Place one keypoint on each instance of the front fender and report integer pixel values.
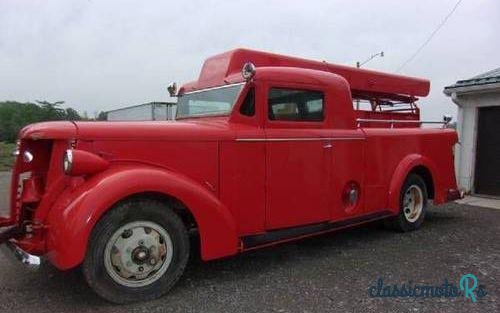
(74, 215)
(402, 170)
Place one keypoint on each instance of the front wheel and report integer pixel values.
(413, 205)
(137, 252)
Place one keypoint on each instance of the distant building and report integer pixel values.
(153, 111)
(477, 158)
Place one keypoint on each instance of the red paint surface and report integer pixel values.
(237, 175)
(227, 67)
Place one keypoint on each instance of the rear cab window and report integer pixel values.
(285, 104)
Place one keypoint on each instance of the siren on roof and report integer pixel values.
(248, 71)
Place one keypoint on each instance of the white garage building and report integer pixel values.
(477, 158)
(152, 111)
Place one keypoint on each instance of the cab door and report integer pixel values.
(298, 156)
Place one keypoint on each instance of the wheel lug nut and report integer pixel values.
(127, 233)
(152, 261)
(141, 268)
(141, 242)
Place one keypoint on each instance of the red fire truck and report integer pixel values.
(265, 149)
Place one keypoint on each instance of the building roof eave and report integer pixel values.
(460, 90)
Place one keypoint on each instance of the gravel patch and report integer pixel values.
(328, 273)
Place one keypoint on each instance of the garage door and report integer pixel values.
(487, 178)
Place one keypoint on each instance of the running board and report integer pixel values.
(288, 234)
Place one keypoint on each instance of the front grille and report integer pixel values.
(26, 173)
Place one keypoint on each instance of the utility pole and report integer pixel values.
(359, 64)
(380, 54)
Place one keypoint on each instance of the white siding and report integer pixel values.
(160, 112)
(136, 113)
(465, 156)
(157, 111)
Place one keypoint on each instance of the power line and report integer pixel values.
(440, 25)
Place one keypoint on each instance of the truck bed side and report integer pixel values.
(387, 148)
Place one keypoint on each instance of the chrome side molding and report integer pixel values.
(301, 139)
(360, 121)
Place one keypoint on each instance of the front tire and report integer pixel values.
(412, 205)
(137, 252)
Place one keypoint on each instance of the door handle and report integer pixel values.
(328, 145)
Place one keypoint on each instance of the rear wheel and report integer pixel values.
(137, 252)
(413, 205)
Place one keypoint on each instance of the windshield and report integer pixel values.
(214, 101)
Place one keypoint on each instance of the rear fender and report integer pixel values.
(76, 212)
(402, 170)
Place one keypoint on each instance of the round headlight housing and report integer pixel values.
(27, 156)
(68, 161)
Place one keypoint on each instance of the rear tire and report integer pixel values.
(412, 205)
(136, 252)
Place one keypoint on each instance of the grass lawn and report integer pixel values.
(6, 159)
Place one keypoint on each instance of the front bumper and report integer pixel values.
(12, 252)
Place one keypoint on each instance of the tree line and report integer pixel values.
(15, 115)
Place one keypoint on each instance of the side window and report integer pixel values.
(248, 106)
(295, 105)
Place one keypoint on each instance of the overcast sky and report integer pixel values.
(102, 55)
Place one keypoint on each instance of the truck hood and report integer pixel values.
(193, 129)
(49, 130)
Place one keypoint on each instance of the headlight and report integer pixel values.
(27, 156)
(68, 161)
(79, 162)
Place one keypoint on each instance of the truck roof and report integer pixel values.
(223, 68)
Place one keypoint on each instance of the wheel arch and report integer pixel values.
(73, 218)
(176, 205)
(417, 164)
(426, 175)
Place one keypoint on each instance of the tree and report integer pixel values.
(51, 110)
(102, 116)
(15, 115)
(72, 115)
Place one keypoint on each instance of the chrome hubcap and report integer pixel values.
(413, 203)
(138, 254)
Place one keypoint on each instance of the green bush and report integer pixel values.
(6, 158)
(15, 115)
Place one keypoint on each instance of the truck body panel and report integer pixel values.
(247, 178)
